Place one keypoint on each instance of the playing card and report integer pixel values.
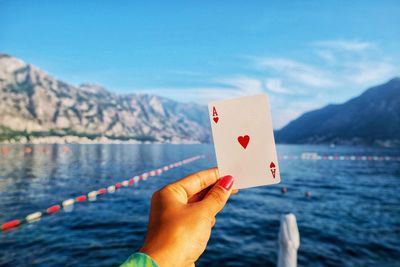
(244, 140)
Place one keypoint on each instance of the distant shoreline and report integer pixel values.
(70, 139)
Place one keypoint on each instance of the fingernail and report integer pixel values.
(226, 182)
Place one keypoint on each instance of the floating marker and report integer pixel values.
(68, 205)
(33, 216)
(53, 209)
(10, 224)
(92, 196)
(111, 189)
(314, 156)
(102, 191)
(81, 198)
(68, 202)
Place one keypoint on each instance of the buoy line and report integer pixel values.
(92, 196)
(316, 156)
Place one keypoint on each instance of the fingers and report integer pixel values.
(217, 197)
(195, 183)
(200, 195)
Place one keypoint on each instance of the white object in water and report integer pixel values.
(92, 195)
(33, 217)
(145, 175)
(68, 205)
(111, 189)
(68, 202)
(309, 156)
(289, 241)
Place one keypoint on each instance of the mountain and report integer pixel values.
(35, 104)
(373, 118)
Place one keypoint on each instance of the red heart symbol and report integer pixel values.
(215, 119)
(244, 140)
(272, 165)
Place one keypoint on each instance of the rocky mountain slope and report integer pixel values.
(373, 118)
(33, 103)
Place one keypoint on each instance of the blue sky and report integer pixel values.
(304, 54)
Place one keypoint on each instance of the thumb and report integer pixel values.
(217, 197)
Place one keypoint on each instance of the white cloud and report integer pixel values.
(355, 63)
(348, 45)
(201, 95)
(331, 72)
(283, 111)
(275, 85)
(244, 85)
(339, 63)
(326, 55)
(297, 71)
(187, 73)
(230, 87)
(369, 72)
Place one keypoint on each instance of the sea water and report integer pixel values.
(351, 219)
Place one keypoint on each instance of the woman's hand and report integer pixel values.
(182, 215)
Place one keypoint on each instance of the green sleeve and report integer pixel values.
(139, 260)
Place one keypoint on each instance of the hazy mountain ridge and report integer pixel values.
(373, 118)
(34, 102)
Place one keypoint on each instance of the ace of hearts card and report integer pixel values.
(244, 140)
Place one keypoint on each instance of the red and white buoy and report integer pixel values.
(68, 204)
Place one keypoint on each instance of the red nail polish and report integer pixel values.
(226, 182)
